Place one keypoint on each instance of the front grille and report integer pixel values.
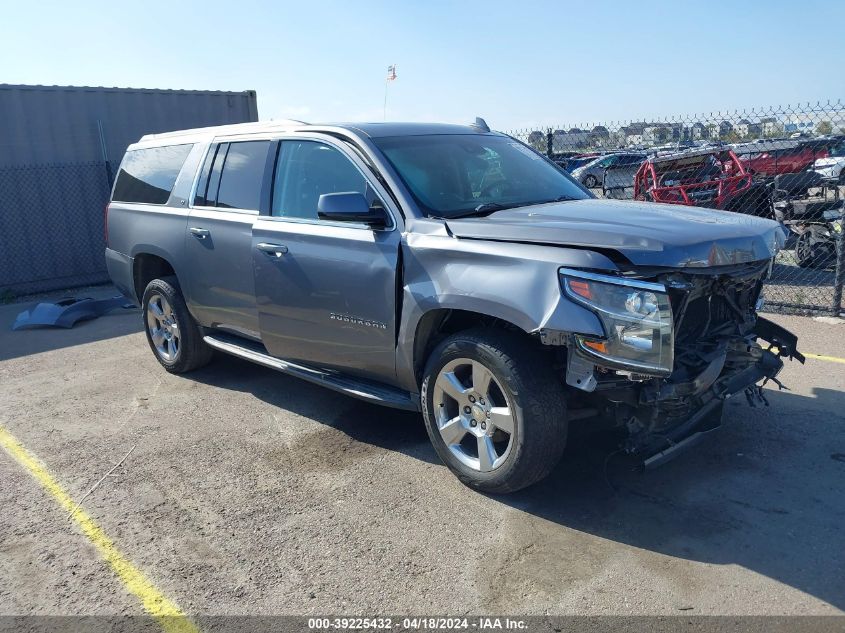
(703, 315)
(709, 309)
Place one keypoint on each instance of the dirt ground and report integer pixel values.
(249, 492)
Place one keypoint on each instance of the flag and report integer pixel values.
(391, 72)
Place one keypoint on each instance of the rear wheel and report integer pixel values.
(493, 410)
(172, 333)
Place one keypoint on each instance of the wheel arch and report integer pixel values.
(437, 323)
(147, 266)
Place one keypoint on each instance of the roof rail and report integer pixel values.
(232, 128)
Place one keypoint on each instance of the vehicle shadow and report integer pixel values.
(764, 493)
(389, 429)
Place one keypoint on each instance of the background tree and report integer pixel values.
(824, 127)
(537, 140)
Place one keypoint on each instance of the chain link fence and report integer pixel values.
(785, 163)
(782, 163)
(51, 226)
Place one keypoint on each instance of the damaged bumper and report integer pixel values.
(665, 416)
(702, 338)
(707, 392)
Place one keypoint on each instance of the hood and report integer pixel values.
(646, 234)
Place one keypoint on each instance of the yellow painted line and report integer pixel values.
(829, 359)
(166, 613)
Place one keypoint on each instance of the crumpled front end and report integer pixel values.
(721, 349)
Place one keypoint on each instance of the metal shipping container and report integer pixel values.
(59, 148)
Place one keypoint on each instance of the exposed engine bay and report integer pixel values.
(721, 348)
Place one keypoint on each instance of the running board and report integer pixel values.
(355, 387)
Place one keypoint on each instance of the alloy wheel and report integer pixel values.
(163, 327)
(474, 415)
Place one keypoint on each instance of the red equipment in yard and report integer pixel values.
(703, 178)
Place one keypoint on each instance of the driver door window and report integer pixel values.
(305, 171)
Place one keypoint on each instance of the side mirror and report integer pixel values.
(350, 207)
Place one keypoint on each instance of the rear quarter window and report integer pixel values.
(148, 175)
(243, 175)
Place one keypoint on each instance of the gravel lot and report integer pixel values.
(250, 492)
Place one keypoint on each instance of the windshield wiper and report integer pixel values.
(558, 199)
(481, 210)
(487, 208)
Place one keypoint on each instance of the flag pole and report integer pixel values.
(391, 75)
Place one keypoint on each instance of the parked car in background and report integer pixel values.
(561, 159)
(450, 270)
(832, 167)
(702, 178)
(591, 175)
(768, 158)
(579, 160)
(618, 181)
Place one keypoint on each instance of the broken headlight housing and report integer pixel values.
(636, 317)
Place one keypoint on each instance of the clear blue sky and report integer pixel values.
(518, 64)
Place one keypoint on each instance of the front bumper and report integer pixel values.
(705, 394)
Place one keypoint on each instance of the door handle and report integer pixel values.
(198, 233)
(276, 250)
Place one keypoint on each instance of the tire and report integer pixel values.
(172, 333)
(812, 253)
(590, 182)
(522, 386)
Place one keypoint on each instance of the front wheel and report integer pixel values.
(493, 410)
(591, 182)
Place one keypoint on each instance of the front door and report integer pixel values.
(325, 291)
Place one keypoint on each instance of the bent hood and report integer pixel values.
(647, 234)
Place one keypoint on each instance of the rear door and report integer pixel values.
(233, 187)
(327, 294)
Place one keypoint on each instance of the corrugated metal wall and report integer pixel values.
(58, 144)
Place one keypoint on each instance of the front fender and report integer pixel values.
(517, 283)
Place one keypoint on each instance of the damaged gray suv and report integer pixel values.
(447, 269)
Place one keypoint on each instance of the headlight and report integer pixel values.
(636, 316)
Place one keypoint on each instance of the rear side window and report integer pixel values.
(243, 175)
(148, 175)
(235, 176)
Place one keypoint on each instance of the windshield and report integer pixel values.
(462, 174)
